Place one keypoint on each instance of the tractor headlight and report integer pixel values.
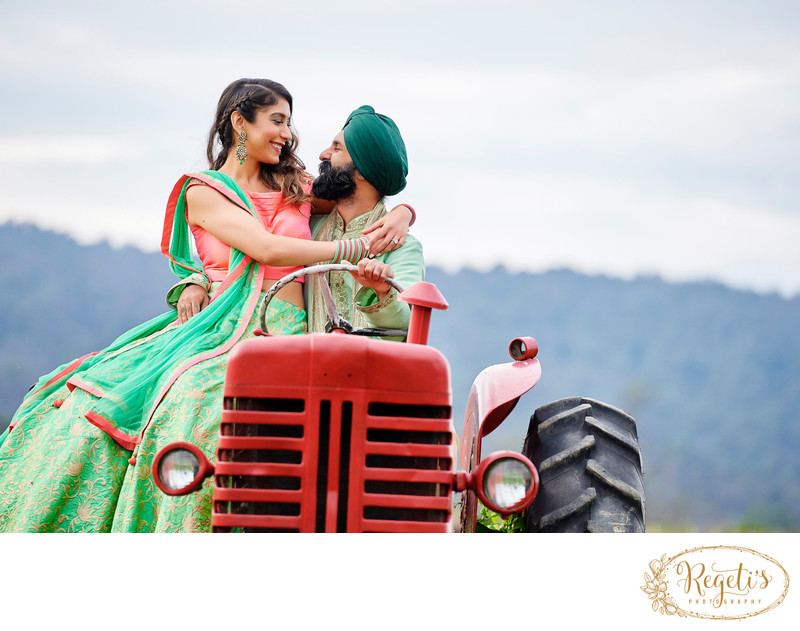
(180, 468)
(506, 482)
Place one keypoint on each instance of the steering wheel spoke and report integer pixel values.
(334, 319)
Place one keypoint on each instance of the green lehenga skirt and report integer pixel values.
(60, 473)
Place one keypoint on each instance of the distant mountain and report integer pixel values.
(711, 374)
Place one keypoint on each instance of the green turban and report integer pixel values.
(377, 149)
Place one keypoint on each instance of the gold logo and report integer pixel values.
(720, 583)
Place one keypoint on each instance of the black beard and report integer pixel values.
(334, 183)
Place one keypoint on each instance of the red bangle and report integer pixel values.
(413, 213)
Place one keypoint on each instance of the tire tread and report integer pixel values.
(588, 457)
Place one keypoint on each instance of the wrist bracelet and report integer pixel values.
(413, 213)
(350, 250)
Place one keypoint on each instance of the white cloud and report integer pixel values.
(556, 133)
(90, 220)
(707, 111)
(33, 150)
(608, 227)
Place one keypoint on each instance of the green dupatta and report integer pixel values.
(130, 377)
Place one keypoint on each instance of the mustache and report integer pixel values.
(327, 169)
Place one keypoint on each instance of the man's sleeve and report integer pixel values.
(408, 268)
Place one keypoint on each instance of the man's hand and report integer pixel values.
(373, 274)
(389, 232)
(193, 299)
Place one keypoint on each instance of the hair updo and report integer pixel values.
(248, 97)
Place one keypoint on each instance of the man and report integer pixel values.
(365, 162)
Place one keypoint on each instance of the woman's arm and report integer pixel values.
(210, 210)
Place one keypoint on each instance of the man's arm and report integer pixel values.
(408, 268)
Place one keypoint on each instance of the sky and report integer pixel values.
(621, 138)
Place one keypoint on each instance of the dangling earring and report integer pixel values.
(241, 151)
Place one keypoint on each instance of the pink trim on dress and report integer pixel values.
(75, 382)
(127, 441)
(66, 370)
(169, 218)
(237, 271)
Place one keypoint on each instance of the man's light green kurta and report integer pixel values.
(408, 268)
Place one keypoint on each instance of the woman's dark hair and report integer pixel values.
(248, 96)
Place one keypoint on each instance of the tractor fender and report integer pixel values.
(494, 394)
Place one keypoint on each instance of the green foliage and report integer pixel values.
(762, 517)
(490, 521)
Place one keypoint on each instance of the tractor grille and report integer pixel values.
(333, 465)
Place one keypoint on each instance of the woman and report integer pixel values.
(91, 426)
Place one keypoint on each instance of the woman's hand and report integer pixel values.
(193, 299)
(389, 232)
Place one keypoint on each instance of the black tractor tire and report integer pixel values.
(590, 469)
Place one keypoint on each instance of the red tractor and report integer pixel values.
(337, 433)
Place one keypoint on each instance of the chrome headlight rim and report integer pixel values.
(495, 459)
(204, 467)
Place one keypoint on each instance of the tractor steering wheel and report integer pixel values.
(335, 321)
